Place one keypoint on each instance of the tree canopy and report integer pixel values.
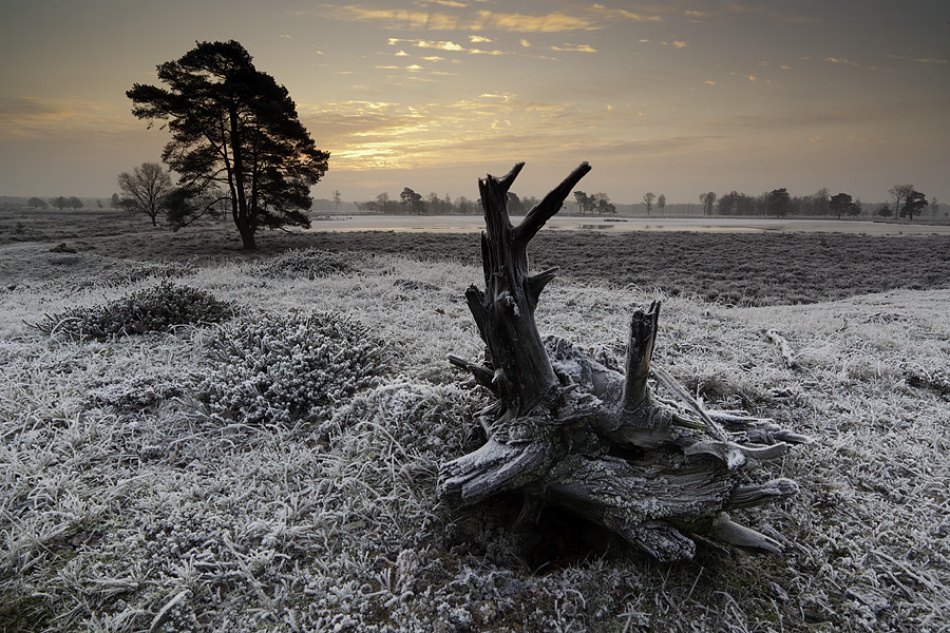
(843, 203)
(236, 135)
(708, 199)
(779, 201)
(599, 202)
(412, 201)
(914, 203)
(648, 199)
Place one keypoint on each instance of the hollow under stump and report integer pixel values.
(629, 450)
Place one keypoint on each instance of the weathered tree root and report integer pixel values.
(571, 432)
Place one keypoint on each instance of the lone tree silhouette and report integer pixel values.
(145, 189)
(235, 136)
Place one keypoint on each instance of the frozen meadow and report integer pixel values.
(274, 468)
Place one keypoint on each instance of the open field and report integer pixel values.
(161, 480)
(743, 268)
(711, 224)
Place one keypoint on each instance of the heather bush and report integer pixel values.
(159, 308)
(286, 369)
(310, 264)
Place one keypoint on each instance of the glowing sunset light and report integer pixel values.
(680, 98)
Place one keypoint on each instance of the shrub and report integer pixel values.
(295, 368)
(308, 264)
(157, 309)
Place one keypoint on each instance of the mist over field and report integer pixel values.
(197, 438)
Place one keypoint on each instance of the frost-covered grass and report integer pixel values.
(129, 503)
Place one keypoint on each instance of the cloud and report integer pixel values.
(851, 139)
(557, 22)
(395, 18)
(478, 39)
(592, 18)
(760, 10)
(841, 60)
(922, 60)
(433, 44)
(580, 48)
(25, 117)
(622, 14)
(448, 46)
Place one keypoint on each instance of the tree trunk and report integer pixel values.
(247, 235)
(572, 431)
(243, 214)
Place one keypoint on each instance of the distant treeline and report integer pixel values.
(58, 202)
(908, 203)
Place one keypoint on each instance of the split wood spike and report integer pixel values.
(570, 432)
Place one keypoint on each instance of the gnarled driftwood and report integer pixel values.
(571, 431)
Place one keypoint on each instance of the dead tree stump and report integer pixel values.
(569, 431)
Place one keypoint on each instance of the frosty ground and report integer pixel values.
(195, 479)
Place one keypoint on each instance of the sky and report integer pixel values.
(675, 98)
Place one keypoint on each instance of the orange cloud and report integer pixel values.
(546, 23)
(622, 14)
(438, 45)
(592, 18)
